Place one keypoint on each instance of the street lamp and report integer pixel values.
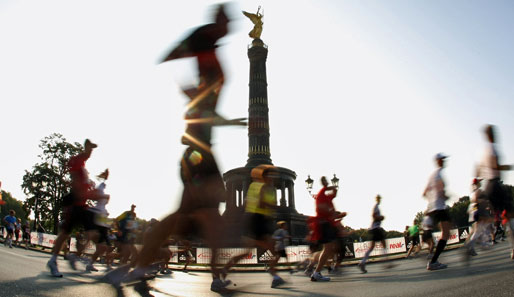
(309, 183)
(335, 181)
(36, 214)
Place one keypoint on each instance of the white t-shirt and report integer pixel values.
(376, 212)
(280, 237)
(489, 161)
(101, 203)
(473, 204)
(435, 191)
(99, 209)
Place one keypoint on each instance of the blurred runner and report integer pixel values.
(427, 225)
(17, 232)
(204, 188)
(26, 234)
(126, 226)
(100, 221)
(261, 202)
(490, 170)
(414, 239)
(75, 211)
(479, 217)
(281, 237)
(10, 224)
(325, 227)
(437, 210)
(377, 233)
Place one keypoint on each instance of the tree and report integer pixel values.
(459, 212)
(418, 219)
(49, 180)
(14, 204)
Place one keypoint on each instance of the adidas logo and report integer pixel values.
(464, 234)
(184, 258)
(267, 256)
(348, 252)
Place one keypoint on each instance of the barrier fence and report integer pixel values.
(201, 255)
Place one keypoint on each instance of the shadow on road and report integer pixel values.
(44, 284)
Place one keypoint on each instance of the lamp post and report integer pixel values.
(309, 183)
(35, 185)
(335, 181)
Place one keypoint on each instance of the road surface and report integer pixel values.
(491, 273)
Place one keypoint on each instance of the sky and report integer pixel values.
(367, 90)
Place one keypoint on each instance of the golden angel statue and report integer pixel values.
(256, 20)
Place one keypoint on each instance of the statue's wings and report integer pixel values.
(253, 17)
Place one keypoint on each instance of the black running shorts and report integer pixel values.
(499, 198)
(258, 226)
(440, 215)
(328, 232)
(77, 216)
(427, 234)
(377, 234)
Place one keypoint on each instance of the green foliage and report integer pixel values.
(459, 212)
(364, 234)
(14, 204)
(418, 219)
(393, 234)
(49, 180)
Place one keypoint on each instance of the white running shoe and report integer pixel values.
(52, 265)
(317, 277)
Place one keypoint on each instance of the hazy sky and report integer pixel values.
(369, 90)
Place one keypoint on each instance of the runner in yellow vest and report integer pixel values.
(261, 201)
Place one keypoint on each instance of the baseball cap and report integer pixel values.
(440, 156)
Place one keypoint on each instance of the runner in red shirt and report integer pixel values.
(74, 205)
(325, 226)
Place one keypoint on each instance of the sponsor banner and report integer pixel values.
(296, 253)
(265, 256)
(204, 255)
(90, 248)
(463, 234)
(174, 253)
(409, 243)
(182, 256)
(394, 245)
(454, 236)
(42, 239)
(349, 252)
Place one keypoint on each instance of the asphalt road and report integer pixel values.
(491, 273)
